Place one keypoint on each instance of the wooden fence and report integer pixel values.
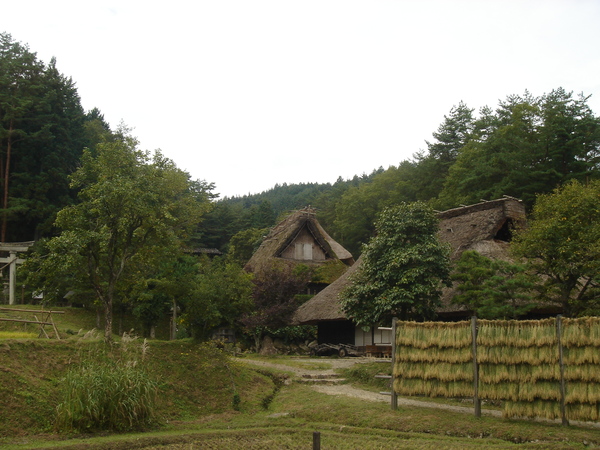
(546, 368)
(32, 318)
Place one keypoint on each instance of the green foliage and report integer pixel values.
(173, 282)
(357, 210)
(106, 397)
(42, 136)
(492, 289)
(221, 294)
(274, 292)
(527, 146)
(104, 394)
(151, 304)
(294, 333)
(133, 213)
(562, 243)
(402, 270)
(244, 243)
(451, 136)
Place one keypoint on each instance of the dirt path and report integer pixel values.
(350, 391)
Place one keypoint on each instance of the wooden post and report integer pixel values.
(316, 440)
(394, 400)
(476, 399)
(174, 321)
(12, 278)
(12, 261)
(563, 412)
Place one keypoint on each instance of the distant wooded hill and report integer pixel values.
(522, 147)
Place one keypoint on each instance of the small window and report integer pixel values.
(308, 254)
(304, 252)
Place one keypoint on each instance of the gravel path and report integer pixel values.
(350, 391)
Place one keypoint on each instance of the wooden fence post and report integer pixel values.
(476, 399)
(316, 440)
(563, 412)
(394, 400)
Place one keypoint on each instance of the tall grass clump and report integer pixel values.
(108, 392)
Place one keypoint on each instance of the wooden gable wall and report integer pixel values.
(304, 247)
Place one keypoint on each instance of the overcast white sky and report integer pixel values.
(250, 93)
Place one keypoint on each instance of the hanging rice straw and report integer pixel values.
(515, 355)
(433, 334)
(538, 408)
(435, 371)
(581, 332)
(522, 373)
(583, 412)
(434, 355)
(517, 333)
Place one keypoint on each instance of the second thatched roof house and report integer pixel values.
(300, 239)
(485, 227)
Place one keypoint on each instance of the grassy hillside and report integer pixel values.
(196, 407)
(194, 380)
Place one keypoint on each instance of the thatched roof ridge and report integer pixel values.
(482, 206)
(284, 234)
(486, 225)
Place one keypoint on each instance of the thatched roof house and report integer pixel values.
(300, 239)
(485, 227)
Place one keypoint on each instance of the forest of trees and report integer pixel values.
(526, 146)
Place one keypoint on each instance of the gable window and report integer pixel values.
(303, 252)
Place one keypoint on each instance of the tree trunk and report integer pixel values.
(6, 178)
(257, 338)
(174, 322)
(108, 316)
(120, 322)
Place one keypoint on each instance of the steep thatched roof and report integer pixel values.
(299, 228)
(485, 227)
(325, 305)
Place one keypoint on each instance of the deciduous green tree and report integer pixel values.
(244, 243)
(359, 206)
(562, 244)
(221, 296)
(403, 268)
(133, 210)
